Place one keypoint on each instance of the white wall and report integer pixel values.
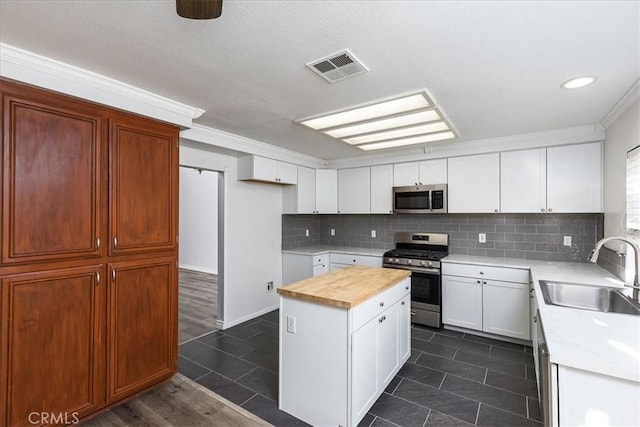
(252, 237)
(199, 220)
(620, 137)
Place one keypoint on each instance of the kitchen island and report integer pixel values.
(343, 337)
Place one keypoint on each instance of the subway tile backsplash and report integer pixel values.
(529, 236)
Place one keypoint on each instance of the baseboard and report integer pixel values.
(222, 325)
(198, 268)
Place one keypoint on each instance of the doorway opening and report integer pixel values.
(199, 252)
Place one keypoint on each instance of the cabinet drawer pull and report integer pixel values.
(381, 303)
(382, 319)
(113, 274)
(98, 243)
(97, 279)
(413, 313)
(115, 241)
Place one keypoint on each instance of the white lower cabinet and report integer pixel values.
(297, 267)
(340, 260)
(489, 299)
(339, 361)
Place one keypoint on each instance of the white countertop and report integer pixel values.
(605, 343)
(323, 249)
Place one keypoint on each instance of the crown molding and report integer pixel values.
(622, 105)
(28, 67)
(240, 145)
(566, 136)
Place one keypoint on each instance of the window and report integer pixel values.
(633, 190)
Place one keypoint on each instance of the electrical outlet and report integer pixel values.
(567, 240)
(333, 231)
(482, 238)
(270, 286)
(306, 233)
(291, 324)
(373, 233)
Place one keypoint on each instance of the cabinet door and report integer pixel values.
(326, 191)
(382, 189)
(462, 302)
(523, 181)
(574, 178)
(300, 198)
(51, 174)
(474, 183)
(364, 368)
(143, 186)
(287, 173)
(51, 344)
(265, 169)
(404, 329)
(433, 172)
(505, 309)
(406, 174)
(354, 190)
(388, 343)
(142, 324)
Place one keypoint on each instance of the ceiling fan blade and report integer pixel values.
(199, 9)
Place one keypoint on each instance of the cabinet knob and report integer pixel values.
(354, 260)
(495, 210)
(549, 210)
(542, 210)
(381, 303)
(484, 283)
(415, 183)
(402, 303)
(407, 287)
(382, 319)
(478, 282)
(482, 272)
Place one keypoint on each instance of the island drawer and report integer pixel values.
(504, 274)
(375, 305)
(372, 261)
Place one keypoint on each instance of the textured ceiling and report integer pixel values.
(494, 68)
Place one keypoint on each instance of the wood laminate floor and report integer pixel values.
(178, 403)
(198, 304)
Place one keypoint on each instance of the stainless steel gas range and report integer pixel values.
(421, 254)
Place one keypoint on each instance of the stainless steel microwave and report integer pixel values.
(420, 199)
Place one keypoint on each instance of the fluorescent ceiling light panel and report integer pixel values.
(408, 141)
(382, 109)
(398, 133)
(383, 124)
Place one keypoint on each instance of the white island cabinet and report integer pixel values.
(343, 337)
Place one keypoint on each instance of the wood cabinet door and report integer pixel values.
(51, 174)
(143, 183)
(51, 335)
(142, 322)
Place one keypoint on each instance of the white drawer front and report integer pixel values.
(504, 274)
(321, 259)
(375, 305)
(372, 261)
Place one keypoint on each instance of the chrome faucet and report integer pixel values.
(636, 249)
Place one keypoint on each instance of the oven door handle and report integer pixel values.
(433, 271)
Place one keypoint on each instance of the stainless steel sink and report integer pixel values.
(596, 298)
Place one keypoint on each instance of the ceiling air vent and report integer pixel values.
(338, 66)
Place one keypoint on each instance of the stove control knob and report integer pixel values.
(423, 263)
(396, 261)
(409, 262)
(430, 264)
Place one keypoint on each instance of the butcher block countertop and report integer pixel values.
(346, 287)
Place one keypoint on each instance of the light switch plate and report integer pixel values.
(567, 240)
(333, 231)
(306, 233)
(482, 238)
(373, 233)
(291, 324)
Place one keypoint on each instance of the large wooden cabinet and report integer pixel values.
(88, 277)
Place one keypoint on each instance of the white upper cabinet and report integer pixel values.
(420, 173)
(523, 181)
(301, 198)
(326, 191)
(474, 184)
(574, 178)
(256, 168)
(354, 190)
(382, 189)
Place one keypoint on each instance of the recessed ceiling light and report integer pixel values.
(578, 82)
(408, 141)
(398, 133)
(403, 120)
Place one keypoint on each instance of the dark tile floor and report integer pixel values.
(451, 378)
